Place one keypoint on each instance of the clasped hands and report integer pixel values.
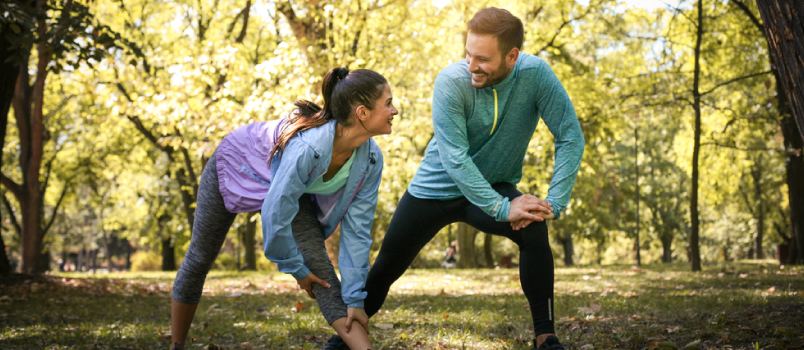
(526, 209)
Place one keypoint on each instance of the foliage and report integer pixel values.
(147, 89)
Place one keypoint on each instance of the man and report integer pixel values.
(485, 110)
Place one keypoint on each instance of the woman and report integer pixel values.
(307, 174)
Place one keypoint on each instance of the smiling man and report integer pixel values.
(485, 110)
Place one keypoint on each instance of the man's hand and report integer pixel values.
(306, 283)
(354, 314)
(526, 209)
(518, 225)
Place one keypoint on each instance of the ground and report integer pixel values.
(732, 306)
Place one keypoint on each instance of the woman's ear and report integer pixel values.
(361, 112)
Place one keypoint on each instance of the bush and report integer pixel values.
(143, 260)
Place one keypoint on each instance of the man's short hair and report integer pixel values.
(502, 24)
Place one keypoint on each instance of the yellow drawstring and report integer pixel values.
(493, 126)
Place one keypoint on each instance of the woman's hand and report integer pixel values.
(358, 315)
(306, 283)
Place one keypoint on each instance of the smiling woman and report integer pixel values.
(308, 174)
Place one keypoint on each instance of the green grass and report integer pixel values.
(736, 306)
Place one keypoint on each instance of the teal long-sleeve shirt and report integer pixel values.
(482, 135)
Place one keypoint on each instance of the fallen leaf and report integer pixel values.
(384, 326)
(298, 307)
(693, 345)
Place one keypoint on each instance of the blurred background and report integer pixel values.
(112, 107)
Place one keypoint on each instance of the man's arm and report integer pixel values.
(556, 109)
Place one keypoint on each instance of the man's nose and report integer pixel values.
(472, 64)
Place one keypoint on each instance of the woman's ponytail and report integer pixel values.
(308, 114)
(343, 91)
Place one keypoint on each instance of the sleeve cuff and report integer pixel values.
(556, 209)
(505, 207)
(301, 273)
(356, 305)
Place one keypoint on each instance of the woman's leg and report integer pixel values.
(212, 221)
(309, 236)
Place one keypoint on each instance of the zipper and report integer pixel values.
(496, 111)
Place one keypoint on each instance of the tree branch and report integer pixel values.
(15, 188)
(736, 147)
(734, 80)
(10, 210)
(743, 7)
(55, 210)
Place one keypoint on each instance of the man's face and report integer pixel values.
(487, 63)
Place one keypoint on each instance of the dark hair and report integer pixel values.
(502, 24)
(343, 92)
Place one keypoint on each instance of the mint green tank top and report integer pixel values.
(319, 186)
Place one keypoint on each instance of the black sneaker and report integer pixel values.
(551, 343)
(335, 343)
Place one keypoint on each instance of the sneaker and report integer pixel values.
(335, 343)
(551, 343)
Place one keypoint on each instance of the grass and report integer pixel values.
(736, 306)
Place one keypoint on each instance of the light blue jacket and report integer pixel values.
(306, 157)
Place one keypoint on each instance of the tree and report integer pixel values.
(695, 254)
(781, 32)
(784, 29)
(785, 34)
(16, 41)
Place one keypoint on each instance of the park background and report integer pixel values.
(692, 163)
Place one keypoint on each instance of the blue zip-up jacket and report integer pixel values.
(306, 157)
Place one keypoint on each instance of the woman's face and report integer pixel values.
(378, 120)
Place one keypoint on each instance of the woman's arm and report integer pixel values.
(281, 205)
(356, 238)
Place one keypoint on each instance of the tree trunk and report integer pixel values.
(792, 136)
(784, 30)
(794, 169)
(569, 250)
(128, 254)
(168, 255)
(795, 194)
(247, 237)
(667, 248)
(637, 247)
(9, 71)
(487, 253)
(756, 174)
(467, 253)
(95, 260)
(28, 103)
(695, 253)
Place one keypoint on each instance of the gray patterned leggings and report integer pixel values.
(212, 222)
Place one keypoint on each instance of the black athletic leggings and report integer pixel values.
(416, 221)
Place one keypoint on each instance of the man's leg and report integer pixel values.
(536, 268)
(414, 223)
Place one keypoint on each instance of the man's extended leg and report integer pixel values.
(414, 223)
(536, 270)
